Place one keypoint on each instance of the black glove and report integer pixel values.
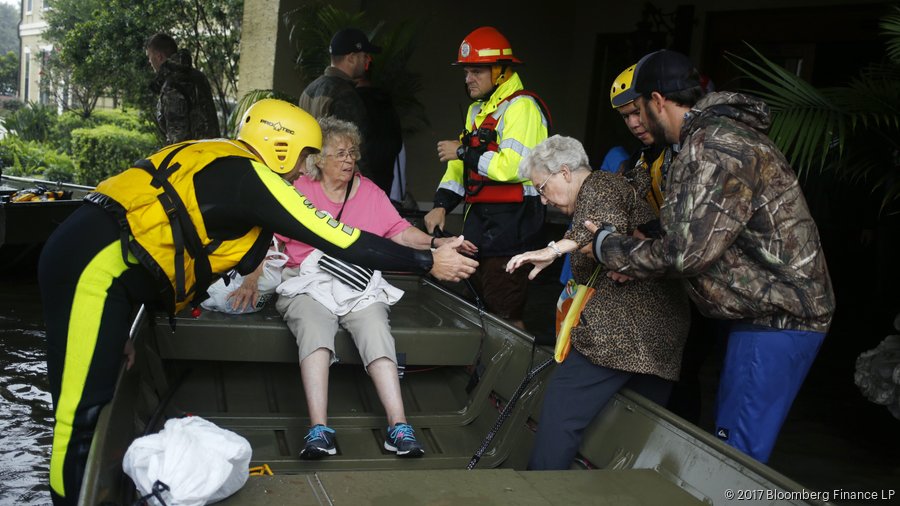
(471, 157)
(601, 233)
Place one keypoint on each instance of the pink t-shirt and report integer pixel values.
(369, 210)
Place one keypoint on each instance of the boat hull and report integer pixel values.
(241, 373)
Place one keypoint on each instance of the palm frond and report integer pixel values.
(890, 28)
(805, 120)
(250, 98)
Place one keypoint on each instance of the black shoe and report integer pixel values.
(401, 439)
(319, 443)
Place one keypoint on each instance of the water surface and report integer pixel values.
(25, 415)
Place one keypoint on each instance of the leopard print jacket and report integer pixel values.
(639, 326)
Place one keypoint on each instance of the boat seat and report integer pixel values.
(421, 334)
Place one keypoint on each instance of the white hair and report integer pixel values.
(332, 130)
(552, 154)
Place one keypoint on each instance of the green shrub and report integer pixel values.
(33, 159)
(11, 105)
(129, 120)
(35, 122)
(72, 120)
(106, 150)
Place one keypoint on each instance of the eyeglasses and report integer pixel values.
(540, 188)
(352, 154)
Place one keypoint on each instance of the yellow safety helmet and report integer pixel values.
(622, 91)
(279, 131)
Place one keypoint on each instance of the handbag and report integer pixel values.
(569, 307)
(268, 281)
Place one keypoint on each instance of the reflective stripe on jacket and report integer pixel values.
(521, 126)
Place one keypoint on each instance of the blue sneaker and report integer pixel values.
(319, 442)
(401, 439)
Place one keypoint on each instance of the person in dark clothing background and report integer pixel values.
(334, 92)
(185, 110)
(385, 138)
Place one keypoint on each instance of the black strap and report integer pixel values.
(504, 414)
(184, 233)
(346, 196)
(155, 493)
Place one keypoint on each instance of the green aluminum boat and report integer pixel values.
(241, 373)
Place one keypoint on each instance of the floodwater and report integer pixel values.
(26, 417)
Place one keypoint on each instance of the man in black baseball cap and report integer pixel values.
(738, 230)
(668, 84)
(334, 92)
(351, 40)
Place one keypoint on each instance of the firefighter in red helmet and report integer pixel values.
(504, 212)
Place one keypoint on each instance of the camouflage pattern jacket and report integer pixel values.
(737, 225)
(185, 110)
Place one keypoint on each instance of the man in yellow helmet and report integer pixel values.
(159, 233)
(504, 213)
(648, 168)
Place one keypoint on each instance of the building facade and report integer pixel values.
(33, 51)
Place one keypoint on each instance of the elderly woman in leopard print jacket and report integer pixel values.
(631, 334)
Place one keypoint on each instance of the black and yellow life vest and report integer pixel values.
(156, 205)
(659, 171)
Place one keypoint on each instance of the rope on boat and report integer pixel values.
(507, 410)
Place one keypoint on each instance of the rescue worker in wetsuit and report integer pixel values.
(159, 233)
(504, 213)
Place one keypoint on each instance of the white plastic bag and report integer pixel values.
(270, 279)
(199, 462)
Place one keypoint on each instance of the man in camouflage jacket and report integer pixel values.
(738, 229)
(185, 109)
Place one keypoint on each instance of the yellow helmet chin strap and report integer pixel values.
(500, 74)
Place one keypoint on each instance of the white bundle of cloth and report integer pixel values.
(334, 294)
(191, 462)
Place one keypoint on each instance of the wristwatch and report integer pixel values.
(460, 151)
(552, 245)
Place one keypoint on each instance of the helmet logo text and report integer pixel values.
(277, 126)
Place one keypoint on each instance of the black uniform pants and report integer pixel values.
(89, 294)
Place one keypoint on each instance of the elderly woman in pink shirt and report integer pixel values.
(314, 303)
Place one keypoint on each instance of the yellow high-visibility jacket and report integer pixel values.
(520, 128)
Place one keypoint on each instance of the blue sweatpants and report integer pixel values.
(763, 370)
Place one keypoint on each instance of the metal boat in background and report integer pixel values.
(26, 225)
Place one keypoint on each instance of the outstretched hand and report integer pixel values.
(540, 258)
(466, 248)
(449, 264)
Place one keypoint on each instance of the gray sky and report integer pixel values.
(14, 3)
